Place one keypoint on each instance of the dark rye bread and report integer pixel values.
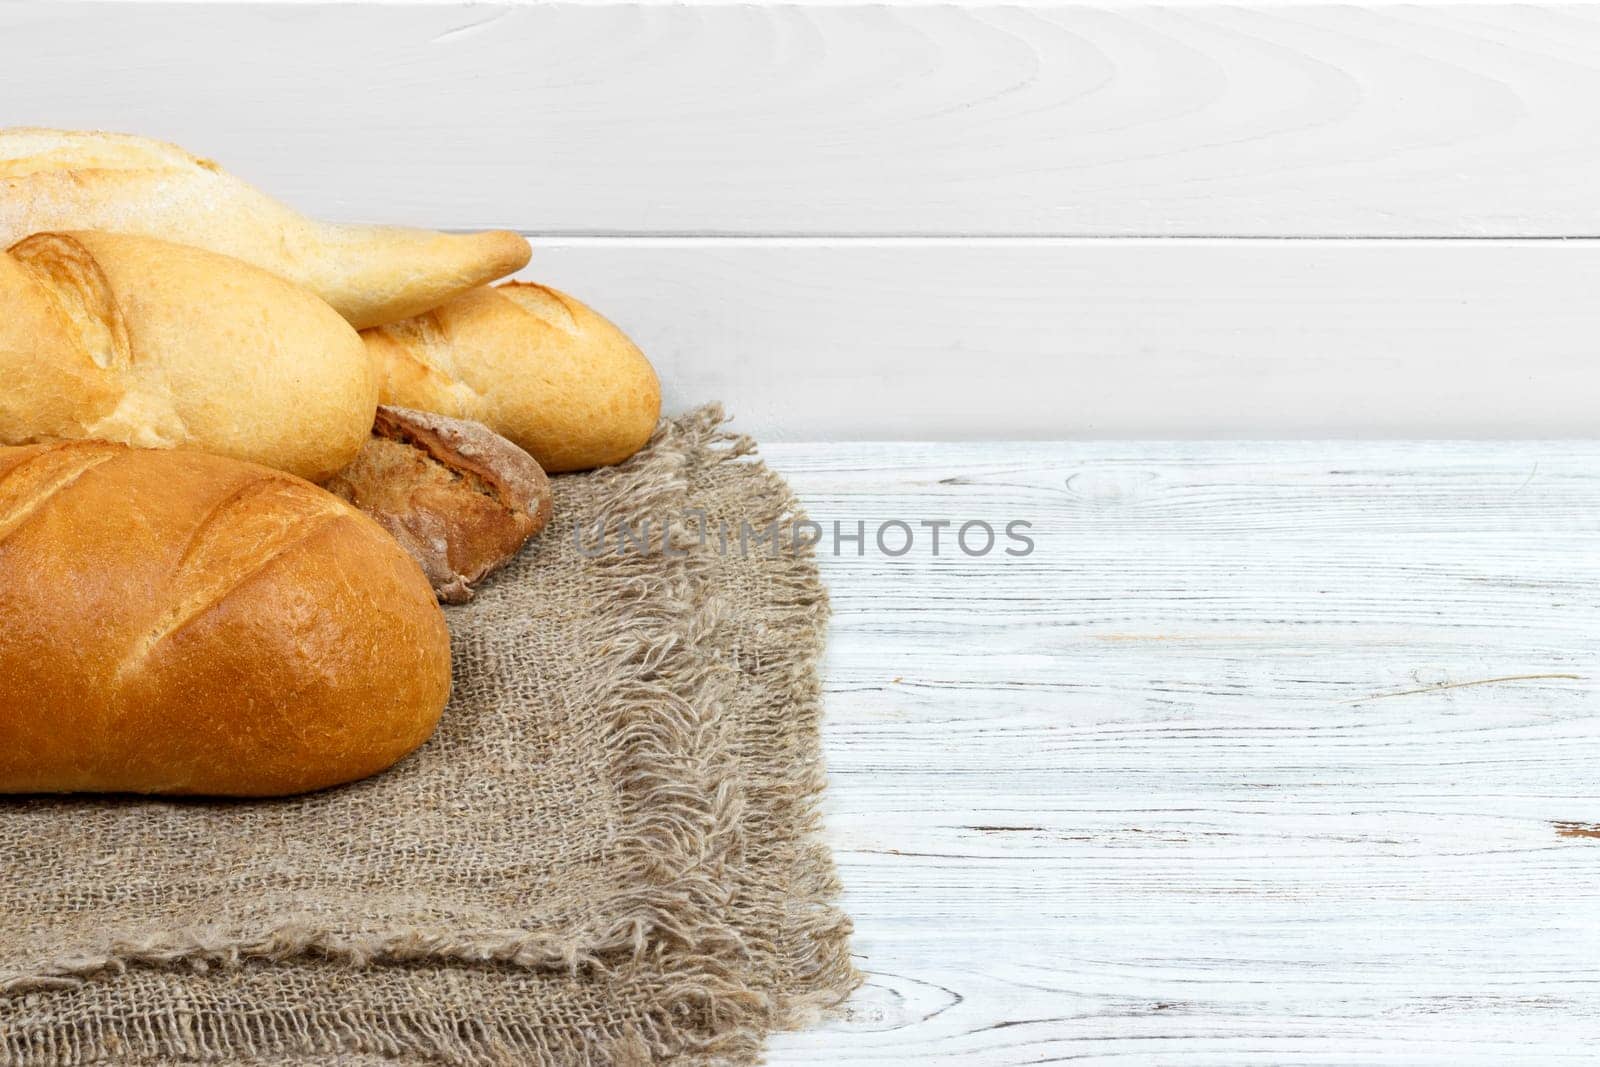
(460, 499)
(175, 622)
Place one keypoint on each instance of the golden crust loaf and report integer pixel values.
(73, 180)
(131, 339)
(531, 363)
(183, 623)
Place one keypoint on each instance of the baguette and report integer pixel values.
(176, 622)
(135, 340)
(70, 180)
(531, 363)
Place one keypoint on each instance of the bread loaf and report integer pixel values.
(459, 498)
(174, 622)
(67, 180)
(131, 339)
(531, 363)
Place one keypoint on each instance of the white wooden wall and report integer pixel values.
(947, 221)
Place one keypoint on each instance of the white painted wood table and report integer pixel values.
(1268, 753)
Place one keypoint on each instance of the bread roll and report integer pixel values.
(69, 180)
(175, 622)
(532, 364)
(458, 497)
(130, 339)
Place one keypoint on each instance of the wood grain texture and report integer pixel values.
(1053, 339)
(1095, 119)
(1268, 754)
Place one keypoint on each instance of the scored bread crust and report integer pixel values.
(530, 362)
(130, 339)
(75, 180)
(177, 622)
(459, 498)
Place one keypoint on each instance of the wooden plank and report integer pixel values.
(1056, 339)
(1092, 119)
(1268, 753)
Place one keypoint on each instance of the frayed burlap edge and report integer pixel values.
(783, 774)
(685, 810)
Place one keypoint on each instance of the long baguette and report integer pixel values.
(176, 622)
(130, 339)
(73, 180)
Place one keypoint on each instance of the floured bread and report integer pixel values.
(73, 180)
(128, 339)
(531, 363)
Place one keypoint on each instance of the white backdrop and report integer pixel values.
(948, 221)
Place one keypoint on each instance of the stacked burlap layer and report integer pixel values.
(604, 856)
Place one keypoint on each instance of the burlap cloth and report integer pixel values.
(604, 856)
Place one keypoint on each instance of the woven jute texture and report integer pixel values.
(606, 854)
